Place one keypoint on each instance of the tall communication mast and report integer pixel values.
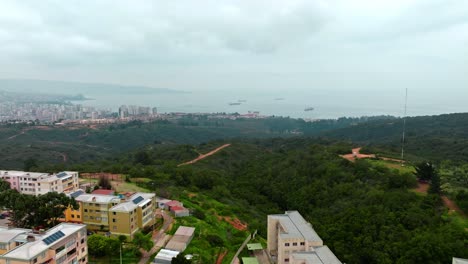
(404, 129)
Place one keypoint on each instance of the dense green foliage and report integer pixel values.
(40, 211)
(28, 147)
(363, 211)
(436, 138)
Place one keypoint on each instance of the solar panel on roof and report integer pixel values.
(54, 237)
(77, 193)
(61, 175)
(138, 200)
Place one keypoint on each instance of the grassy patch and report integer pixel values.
(393, 165)
(456, 219)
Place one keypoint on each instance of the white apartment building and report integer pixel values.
(62, 244)
(35, 183)
(291, 239)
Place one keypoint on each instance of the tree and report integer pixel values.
(104, 182)
(31, 211)
(29, 164)
(97, 245)
(4, 185)
(425, 171)
(142, 157)
(435, 184)
(143, 241)
(180, 259)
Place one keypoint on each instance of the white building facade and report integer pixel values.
(35, 183)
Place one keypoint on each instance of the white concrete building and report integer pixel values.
(291, 239)
(35, 183)
(64, 243)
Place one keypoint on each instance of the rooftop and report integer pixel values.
(256, 246)
(321, 255)
(166, 254)
(249, 260)
(97, 198)
(124, 207)
(185, 231)
(103, 192)
(42, 242)
(7, 235)
(23, 174)
(294, 226)
(76, 193)
(178, 208)
(459, 261)
(173, 203)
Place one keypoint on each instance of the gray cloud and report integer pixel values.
(312, 42)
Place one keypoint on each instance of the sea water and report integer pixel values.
(326, 104)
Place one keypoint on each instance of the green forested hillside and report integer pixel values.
(442, 137)
(77, 144)
(365, 213)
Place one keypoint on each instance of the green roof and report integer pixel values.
(256, 246)
(250, 261)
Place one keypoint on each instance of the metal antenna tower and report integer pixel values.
(404, 129)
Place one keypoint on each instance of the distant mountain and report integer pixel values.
(37, 97)
(88, 89)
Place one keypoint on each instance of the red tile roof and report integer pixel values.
(173, 203)
(103, 192)
(178, 208)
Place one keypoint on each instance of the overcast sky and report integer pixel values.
(279, 45)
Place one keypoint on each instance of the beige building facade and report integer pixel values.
(62, 244)
(291, 239)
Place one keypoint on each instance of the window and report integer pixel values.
(78, 216)
(3, 246)
(114, 227)
(286, 244)
(302, 243)
(73, 216)
(114, 213)
(86, 210)
(294, 244)
(82, 241)
(286, 260)
(113, 220)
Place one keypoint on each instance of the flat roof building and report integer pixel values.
(291, 239)
(181, 239)
(35, 183)
(64, 243)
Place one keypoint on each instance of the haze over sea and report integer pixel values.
(326, 104)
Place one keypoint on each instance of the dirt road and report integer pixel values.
(203, 156)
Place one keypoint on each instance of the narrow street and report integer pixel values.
(160, 238)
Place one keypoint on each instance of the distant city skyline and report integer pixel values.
(240, 45)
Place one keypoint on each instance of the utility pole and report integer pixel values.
(404, 130)
(121, 253)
